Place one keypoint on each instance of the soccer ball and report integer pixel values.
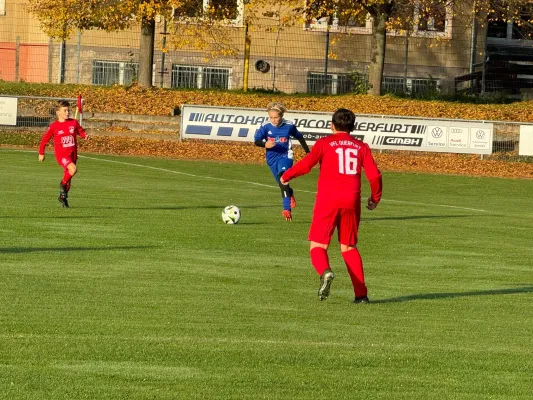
(231, 215)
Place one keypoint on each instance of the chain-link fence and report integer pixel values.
(37, 112)
(442, 53)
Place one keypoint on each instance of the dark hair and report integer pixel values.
(344, 120)
(62, 103)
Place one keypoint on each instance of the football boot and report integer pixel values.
(64, 202)
(293, 201)
(361, 300)
(325, 284)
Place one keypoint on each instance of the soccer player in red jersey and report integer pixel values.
(338, 199)
(64, 131)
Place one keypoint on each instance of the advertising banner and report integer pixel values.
(380, 132)
(526, 140)
(8, 110)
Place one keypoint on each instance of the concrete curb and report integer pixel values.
(174, 120)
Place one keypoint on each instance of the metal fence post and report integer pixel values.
(62, 56)
(484, 71)
(406, 63)
(17, 59)
(326, 58)
(163, 52)
(473, 45)
(50, 59)
(246, 72)
(79, 58)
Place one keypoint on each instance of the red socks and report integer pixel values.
(354, 263)
(319, 259)
(66, 178)
(352, 258)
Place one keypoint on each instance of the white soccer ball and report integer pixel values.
(231, 215)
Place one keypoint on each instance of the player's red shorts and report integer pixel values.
(65, 158)
(346, 220)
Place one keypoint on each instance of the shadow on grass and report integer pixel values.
(293, 222)
(51, 217)
(188, 207)
(412, 217)
(433, 296)
(17, 250)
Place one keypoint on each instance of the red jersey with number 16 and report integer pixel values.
(341, 159)
(64, 134)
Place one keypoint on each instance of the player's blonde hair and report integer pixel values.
(276, 106)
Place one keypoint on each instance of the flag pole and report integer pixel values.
(79, 105)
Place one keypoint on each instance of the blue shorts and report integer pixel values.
(280, 165)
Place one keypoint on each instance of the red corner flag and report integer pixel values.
(79, 105)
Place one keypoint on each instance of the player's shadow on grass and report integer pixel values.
(411, 217)
(18, 250)
(436, 296)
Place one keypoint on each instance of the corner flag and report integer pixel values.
(79, 107)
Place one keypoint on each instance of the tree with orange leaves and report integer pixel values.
(402, 16)
(60, 19)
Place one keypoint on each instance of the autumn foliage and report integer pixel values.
(436, 163)
(135, 100)
(156, 101)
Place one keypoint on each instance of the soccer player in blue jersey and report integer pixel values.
(275, 135)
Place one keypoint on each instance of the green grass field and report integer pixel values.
(139, 291)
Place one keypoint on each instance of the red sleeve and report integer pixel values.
(305, 165)
(45, 139)
(81, 131)
(376, 187)
(373, 175)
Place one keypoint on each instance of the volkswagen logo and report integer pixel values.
(480, 134)
(437, 132)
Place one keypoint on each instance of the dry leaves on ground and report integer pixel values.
(438, 163)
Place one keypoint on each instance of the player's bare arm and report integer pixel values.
(269, 145)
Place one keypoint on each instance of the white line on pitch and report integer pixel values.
(269, 186)
(179, 173)
(434, 205)
(253, 183)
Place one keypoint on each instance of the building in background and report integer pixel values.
(24, 48)
(441, 53)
